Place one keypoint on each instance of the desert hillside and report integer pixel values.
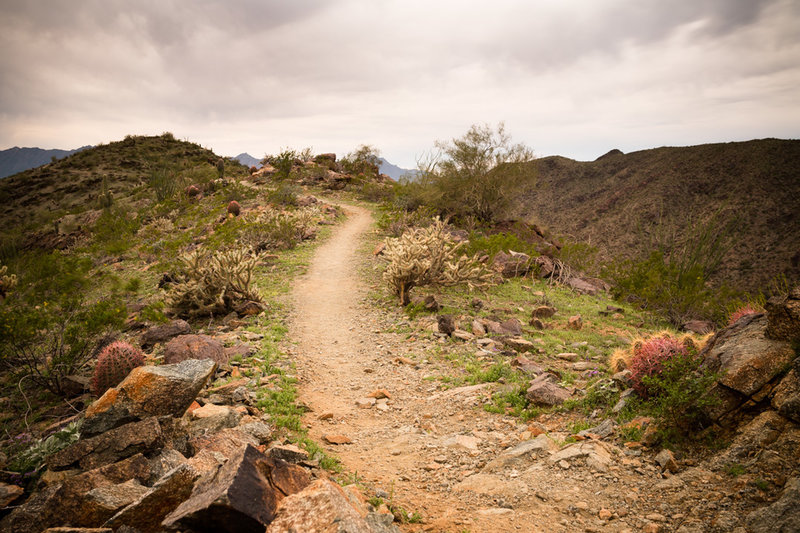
(626, 203)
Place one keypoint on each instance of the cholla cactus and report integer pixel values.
(428, 256)
(7, 282)
(212, 284)
(114, 363)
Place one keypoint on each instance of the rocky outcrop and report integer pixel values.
(783, 516)
(784, 316)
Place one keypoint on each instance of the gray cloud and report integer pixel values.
(575, 78)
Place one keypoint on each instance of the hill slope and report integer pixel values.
(626, 203)
(18, 159)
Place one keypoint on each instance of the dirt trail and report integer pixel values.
(342, 357)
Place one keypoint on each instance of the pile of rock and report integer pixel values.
(150, 459)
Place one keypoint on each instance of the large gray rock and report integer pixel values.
(186, 347)
(242, 497)
(545, 391)
(745, 358)
(325, 506)
(522, 454)
(148, 391)
(783, 516)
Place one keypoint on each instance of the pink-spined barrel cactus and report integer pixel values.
(649, 357)
(114, 363)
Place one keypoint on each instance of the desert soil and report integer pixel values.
(425, 448)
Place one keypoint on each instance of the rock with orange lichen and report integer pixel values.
(148, 391)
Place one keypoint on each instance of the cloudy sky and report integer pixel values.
(568, 77)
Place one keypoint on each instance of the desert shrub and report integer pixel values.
(284, 194)
(428, 256)
(364, 160)
(48, 325)
(579, 255)
(283, 163)
(375, 192)
(114, 363)
(395, 222)
(212, 283)
(481, 174)
(165, 182)
(114, 228)
(742, 311)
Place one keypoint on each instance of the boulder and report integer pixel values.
(747, 359)
(226, 442)
(545, 266)
(782, 516)
(165, 332)
(148, 391)
(511, 264)
(186, 347)
(242, 497)
(544, 390)
(9, 493)
(783, 313)
(519, 344)
(325, 506)
(109, 447)
(512, 326)
(108, 500)
(147, 512)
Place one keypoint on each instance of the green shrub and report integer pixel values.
(28, 462)
(165, 182)
(499, 242)
(365, 160)
(480, 175)
(283, 163)
(49, 328)
(375, 192)
(284, 194)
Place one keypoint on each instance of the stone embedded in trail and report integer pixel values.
(545, 391)
(109, 447)
(522, 453)
(186, 347)
(242, 497)
(165, 332)
(466, 442)
(337, 439)
(325, 506)
(148, 391)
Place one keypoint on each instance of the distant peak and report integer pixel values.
(610, 153)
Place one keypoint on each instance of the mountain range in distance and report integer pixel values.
(18, 159)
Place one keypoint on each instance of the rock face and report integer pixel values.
(148, 391)
(165, 332)
(786, 397)
(186, 347)
(784, 316)
(782, 516)
(242, 497)
(750, 365)
(325, 506)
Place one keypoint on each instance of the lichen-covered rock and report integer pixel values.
(242, 497)
(325, 506)
(745, 358)
(185, 347)
(148, 391)
(786, 396)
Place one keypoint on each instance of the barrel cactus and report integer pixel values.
(114, 363)
(234, 208)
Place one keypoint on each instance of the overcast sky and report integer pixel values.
(568, 77)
